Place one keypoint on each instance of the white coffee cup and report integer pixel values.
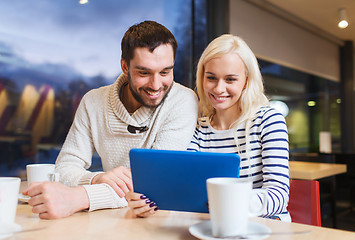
(230, 207)
(9, 189)
(41, 173)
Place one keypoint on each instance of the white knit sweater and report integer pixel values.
(100, 124)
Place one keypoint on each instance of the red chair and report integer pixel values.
(304, 202)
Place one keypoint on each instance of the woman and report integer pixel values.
(236, 118)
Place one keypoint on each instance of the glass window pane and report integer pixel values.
(53, 52)
(313, 105)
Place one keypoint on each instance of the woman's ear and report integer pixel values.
(246, 82)
(124, 67)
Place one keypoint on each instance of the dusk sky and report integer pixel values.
(85, 37)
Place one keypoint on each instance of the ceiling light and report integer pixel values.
(311, 103)
(281, 106)
(343, 22)
(83, 1)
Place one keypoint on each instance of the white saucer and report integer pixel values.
(203, 230)
(10, 230)
(23, 198)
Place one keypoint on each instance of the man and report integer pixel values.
(144, 108)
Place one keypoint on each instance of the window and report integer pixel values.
(53, 52)
(313, 105)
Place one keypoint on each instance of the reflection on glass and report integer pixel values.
(313, 102)
(53, 52)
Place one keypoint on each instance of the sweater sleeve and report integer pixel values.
(76, 154)
(103, 196)
(177, 130)
(275, 157)
(75, 158)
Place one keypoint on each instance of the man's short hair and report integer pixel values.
(147, 34)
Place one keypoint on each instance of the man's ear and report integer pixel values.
(124, 67)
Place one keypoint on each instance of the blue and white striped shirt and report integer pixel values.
(268, 152)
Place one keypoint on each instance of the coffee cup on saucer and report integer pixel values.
(230, 207)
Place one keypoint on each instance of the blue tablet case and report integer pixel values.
(176, 180)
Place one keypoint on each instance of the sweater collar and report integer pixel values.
(140, 117)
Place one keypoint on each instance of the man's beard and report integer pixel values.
(139, 99)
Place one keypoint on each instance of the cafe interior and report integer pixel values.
(53, 52)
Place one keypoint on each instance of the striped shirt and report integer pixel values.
(268, 154)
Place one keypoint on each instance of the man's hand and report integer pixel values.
(140, 205)
(53, 200)
(120, 179)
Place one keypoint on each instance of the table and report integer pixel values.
(120, 224)
(314, 170)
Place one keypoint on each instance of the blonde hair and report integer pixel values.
(252, 97)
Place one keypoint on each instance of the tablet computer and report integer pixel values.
(176, 180)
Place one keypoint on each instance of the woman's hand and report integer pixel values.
(120, 179)
(140, 205)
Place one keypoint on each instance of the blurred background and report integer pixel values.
(53, 52)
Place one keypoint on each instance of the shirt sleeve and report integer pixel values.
(194, 145)
(275, 157)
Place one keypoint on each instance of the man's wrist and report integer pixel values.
(87, 178)
(95, 177)
(82, 199)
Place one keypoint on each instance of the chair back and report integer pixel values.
(304, 202)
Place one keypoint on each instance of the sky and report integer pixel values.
(84, 37)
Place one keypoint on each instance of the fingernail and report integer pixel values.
(152, 204)
(156, 209)
(143, 197)
(148, 201)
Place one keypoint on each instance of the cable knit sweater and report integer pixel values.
(100, 124)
